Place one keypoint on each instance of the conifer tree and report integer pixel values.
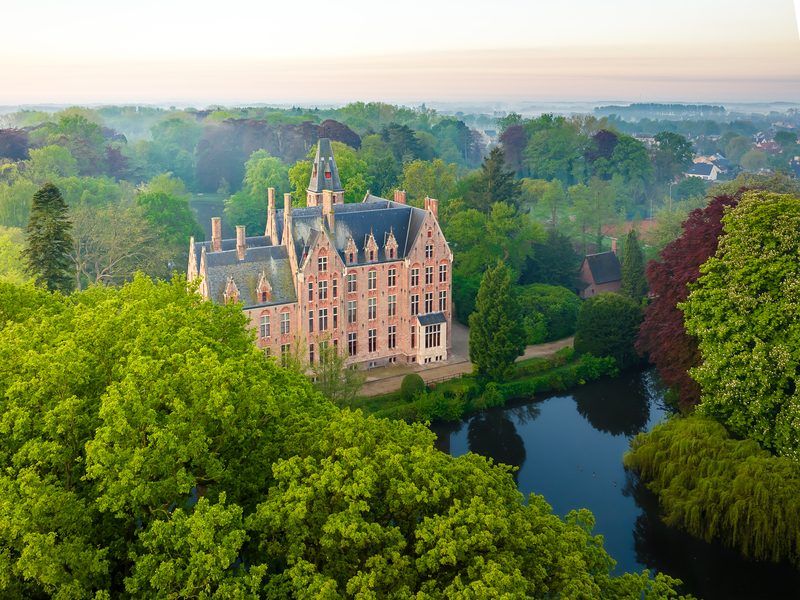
(493, 184)
(49, 241)
(634, 285)
(496, 336)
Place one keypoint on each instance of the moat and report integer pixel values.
(569, 447)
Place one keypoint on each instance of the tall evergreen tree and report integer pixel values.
(494, 184)
(496, 336)
(634, 285)
(47, 257)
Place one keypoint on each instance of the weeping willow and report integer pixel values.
(717, 488)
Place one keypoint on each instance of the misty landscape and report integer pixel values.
(454, 302)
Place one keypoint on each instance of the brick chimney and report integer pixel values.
(400, 196)
(272, 226)
(241, 245)
(614, 247)
(432, 205)
(216, 233)
(327, 209)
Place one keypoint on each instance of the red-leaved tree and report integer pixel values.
(663, 335)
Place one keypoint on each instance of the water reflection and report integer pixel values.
(494, 435)
(708, 571)
(619, 406)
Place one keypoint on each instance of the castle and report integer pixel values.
(371, 278)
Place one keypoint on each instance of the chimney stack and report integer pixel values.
(327, 208)
(614, 247)
(432, 205)
(400, 196)
(272, 227)
(240, 241)
(216, 233)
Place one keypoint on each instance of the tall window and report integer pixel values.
(351, 311)
(414, 304)
(428, 275)
(391, 252)
(311, 320)
(265, 326)
(433, 335)
(413, 336)
(428, 250)
(268, 352)
(372, 279)
(372, 308)
(392, 305)
(311, 353)
(392, 336)
(322, 264)
(284, 354)
(323, 319)
(352, 345)
(351, 261)
(372, 254)
(335, 287)
(429, 302)
(392, 277)
(443, 300)
(264, 295)
(414, 277)
(285, 323)
(351, 282)
(335, 317)
(323, 290)
(373, 340)
(310, 291)
(442, 273)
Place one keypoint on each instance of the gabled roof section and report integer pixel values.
(270, 261)
(604, 267)
(324, 174)
(227, 245)
(700, 169)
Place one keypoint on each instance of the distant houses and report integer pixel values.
(705, 171)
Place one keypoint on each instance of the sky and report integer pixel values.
(96, 51)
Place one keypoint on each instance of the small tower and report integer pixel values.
(324, 176)
(390, 245)
(351, 251)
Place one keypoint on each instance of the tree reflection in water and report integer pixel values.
(493, 435)
(709, 571)
(619, 406)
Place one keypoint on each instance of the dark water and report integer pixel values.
(569, 447)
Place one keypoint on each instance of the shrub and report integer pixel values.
(558, 305)
(607, 326)
(412, 385)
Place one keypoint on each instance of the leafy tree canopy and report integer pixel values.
(156, 453)
(607, 326)
(744, 312)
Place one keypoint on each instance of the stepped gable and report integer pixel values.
(273, 261)
(605, 267)
(324, 174)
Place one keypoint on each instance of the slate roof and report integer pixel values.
(227, 245)
(604, 267)
(324, 174)
(272, 260)
(700, 169)
(375, 215)
(431, 319)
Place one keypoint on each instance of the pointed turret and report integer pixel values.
(324, 176)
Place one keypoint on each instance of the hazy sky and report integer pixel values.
(160, 51)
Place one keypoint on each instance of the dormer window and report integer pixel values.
(231, 293)
(351, 257)
(391, 252)
(263, 289)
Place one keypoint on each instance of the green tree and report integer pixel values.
(634, 285)
(554, 262)
(353, 174)
(49, 241)
(428, 178)
(672, 155)
(12, 262)
(558, 306)
(248, 207)
(496, 336)
(333, 377)
(412, 385)
(493, 184)
(744, 313)
(51, 162)
(156, 454)
(754, 160)
(737, 148)
(607, 325)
